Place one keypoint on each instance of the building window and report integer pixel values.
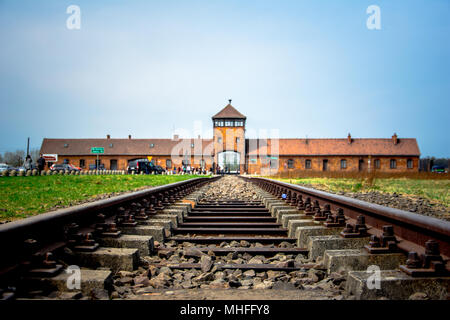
(202, 164)
(409, 164)
(229, 123)
(152, 145)
(377, 163)
(66, 145)
(393, 164)
(238, 123)
(343, 164)
(192, 145)
(290, 164)
(219, 140)
(237, 140)
(168, 163)
(273, 163)
(218, 123)
(308, 164)
(82, 163)
(110, 145)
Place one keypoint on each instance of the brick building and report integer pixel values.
(230, 150)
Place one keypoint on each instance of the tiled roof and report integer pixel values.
(125, 146)
(229, 112)
(404, 147)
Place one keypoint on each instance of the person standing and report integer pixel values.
(27, 163)
(41, 163)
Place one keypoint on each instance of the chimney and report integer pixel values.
(176, 137)
(349, 138)
(108, 136)
(129, 136)
(395, 138)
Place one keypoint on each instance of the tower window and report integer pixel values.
(229, 123)
(237, 140)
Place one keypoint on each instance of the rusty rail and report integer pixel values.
(413, 230)
(48, 228)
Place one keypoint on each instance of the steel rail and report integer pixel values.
(411, 228)
(48, 227)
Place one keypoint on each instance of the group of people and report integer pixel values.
(188, 170)
(28, 163)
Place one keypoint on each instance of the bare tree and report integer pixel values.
(15, 159)
(34, 153)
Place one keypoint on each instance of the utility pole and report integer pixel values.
(28, 147)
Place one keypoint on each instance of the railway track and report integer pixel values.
(279, 235)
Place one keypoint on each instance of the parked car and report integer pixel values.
(4, 167)
(141, 165)
(64, 167)
(439, 169)
(94, 167)
(160, 169)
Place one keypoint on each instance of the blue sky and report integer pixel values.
(145, 68)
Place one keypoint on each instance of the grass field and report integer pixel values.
(21, 197)
(435, 190)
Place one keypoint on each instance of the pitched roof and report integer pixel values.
(229, 112)
(138, 147)
(321, 147)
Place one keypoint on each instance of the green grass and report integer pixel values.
(21, 197)
(434, 190)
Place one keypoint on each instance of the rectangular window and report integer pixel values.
(82, 163)
(110, 145)
(290, 164)
(152, 145)
(409, 163)
(377, 163)
(273, 163)
(168, 164)
(229, 123)
(66, 145)
(343, 164)
(237, 140)
(307, 164)
(393, 163)
(219, 140)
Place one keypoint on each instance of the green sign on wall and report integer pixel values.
(97, 150)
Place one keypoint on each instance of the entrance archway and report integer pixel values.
(229, 161)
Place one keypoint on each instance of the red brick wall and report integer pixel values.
(334, 164)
